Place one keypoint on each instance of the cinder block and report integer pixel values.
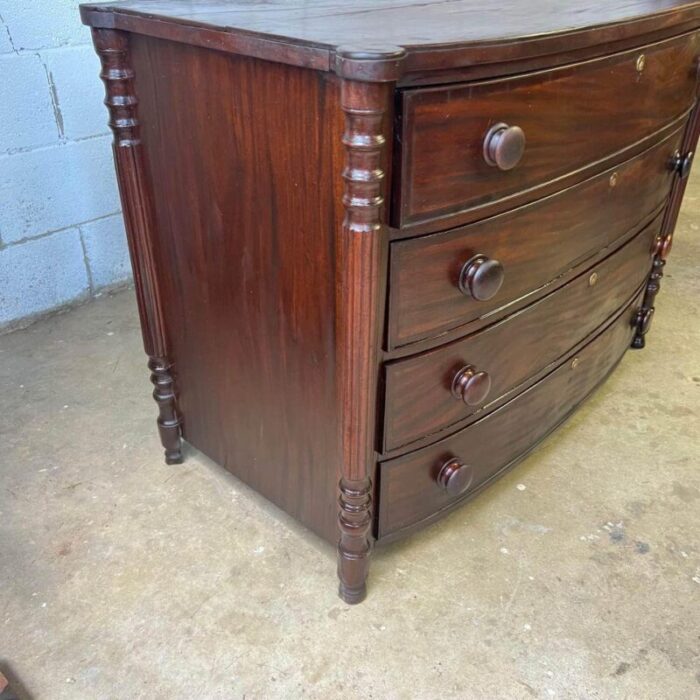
(26, 112)
(39, 25)
(56, 187)
(74, 73)
(106, 251)
(41, 275)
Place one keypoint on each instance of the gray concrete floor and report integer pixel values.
(576, 576)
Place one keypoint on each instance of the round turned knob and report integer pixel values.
(643, 319)
(481, 278)
(455, 477)
(471, 386)
(663, 246)
(504, 146)
(682, 163)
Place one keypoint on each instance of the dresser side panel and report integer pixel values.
(241, 154)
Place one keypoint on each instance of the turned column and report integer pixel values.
(366, 100)
(663, 244)
(117, 74)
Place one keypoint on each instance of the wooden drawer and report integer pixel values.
(420, 399)
(572, 118)
(409, 491)
(536, 245)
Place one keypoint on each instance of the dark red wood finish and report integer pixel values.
(118, 77)
(419, 400)
(443, 129)
(361, 265)
(306, 345)
(535, 244)
(683, 160)
(409, 490)
(251, 290)
(438, 36)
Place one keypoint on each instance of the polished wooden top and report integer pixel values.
(310, 32)
(399, 22)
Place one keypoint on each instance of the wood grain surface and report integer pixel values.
(303, 184)
(136, 196)
(566, 117)
(536, 245)
(408, 489)
(436, 34)
(247, 214)
(361, 263)
(418, 398)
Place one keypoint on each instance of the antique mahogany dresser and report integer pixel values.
(382, 249)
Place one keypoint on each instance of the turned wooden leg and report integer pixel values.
(136, 197)
(361, 253)
(168, 419)
(680, 163)
(354, 520)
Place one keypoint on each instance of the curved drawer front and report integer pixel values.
(423, 394)
(409, 488)
(535, 245)
(569, 118)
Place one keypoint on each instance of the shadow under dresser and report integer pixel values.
(382, 250)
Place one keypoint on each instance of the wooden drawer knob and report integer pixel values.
(481, 278)
(504, 146)
(642, 320)
(682, 163)
(663, 246)
(455, 477)
(471, 386)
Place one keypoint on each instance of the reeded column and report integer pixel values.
(366, 100)
(663, 247)
(117, 74)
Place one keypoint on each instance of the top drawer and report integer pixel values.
(570, 119)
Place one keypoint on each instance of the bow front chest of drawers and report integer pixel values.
(381, 250)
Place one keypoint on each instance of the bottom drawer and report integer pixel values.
(422, 484)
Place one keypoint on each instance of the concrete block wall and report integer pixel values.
(61, 233)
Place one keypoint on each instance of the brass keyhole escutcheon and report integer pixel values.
(592, 279)
(613, 179)
(575, 362)
(641, 62)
